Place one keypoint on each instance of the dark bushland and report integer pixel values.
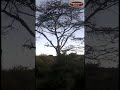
(18, 78)
(100, 78)
(65, 73)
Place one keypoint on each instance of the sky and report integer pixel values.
(14, 54)
(41, 41)
(104, 19)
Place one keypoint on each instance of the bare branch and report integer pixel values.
(20, 20)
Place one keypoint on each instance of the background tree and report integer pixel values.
(13, 8)
(13, 15)
(104, 38)
(59, 20)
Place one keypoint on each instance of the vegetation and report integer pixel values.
(18, 78)
(99, 78)
(65, 73)
(59, 20)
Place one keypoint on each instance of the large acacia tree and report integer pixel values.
(59, 20)
(93, 7)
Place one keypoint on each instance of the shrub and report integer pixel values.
(65, 73)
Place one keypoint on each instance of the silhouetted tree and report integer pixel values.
(13, 12)
(59, 20)
(105, 37)
(12, 8)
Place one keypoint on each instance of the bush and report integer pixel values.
(18, 78)
(65, 73)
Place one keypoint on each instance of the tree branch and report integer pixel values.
(20, 20)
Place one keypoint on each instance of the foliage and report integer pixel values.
(100, 78)
(18, 78)
(63, 74)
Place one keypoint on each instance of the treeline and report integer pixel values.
(100, 78)
(68, 73)
(65, 73)
(71, 73)
(18, 78)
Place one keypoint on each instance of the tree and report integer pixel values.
(13, 8)
(92, 8)
(103, 40)
(59, 20)
(13, 12)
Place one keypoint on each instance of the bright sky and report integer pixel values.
(41, 41)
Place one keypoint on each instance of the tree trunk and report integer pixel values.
(58, 53)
